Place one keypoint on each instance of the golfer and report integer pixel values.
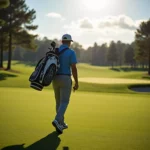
(62, 83)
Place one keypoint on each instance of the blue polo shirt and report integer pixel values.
(66, 59)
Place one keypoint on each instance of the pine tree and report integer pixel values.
(129, 56)
(112, 54)
(19, 20)
(94, 53)
(4, 3)
(3, 46)
(142, 38)
(3, 36)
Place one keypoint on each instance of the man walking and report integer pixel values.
(62, 83)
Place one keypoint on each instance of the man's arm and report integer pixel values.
(75, 76)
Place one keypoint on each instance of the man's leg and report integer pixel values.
(56, 93)
(65, 92)
(57, 98)
(56, 88)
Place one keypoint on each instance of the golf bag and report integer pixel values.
(46, 69)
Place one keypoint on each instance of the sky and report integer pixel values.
(89, 21)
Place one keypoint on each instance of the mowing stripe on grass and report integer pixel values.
(96, 120)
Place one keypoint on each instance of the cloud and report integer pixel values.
(55, 15)
(121, 21)
(85, 23)
(110, 22)
(81, 24)
(89, 30)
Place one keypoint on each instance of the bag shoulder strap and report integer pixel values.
(39, 62)
(62, 51)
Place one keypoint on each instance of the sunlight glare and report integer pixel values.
(97, 5)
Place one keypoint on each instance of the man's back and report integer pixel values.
(66, 59)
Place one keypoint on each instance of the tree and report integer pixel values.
(120, 50)
(3, 36)
(142, 38)
(112, 54)
(94, 54)
(77, 48)
(17, 54)
(4, 3)
(129, 56)
(42, 48)
(19, 20)
(87, 55)
(101, 55)
(140, 54)
(3, 45)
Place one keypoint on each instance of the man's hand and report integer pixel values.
(75, 76)
(76, 86)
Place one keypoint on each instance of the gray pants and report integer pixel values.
(62, 86)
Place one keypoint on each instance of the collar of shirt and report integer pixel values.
(62, 47)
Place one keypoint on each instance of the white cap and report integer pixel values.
(67, 37)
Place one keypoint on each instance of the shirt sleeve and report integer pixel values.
(73, 58)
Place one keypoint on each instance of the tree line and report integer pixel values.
(16, 43)
(114, 54)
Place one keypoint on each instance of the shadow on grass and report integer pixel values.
(50, 142)
(146, 77)
(115, 69)
(125, 69)
(4, 76)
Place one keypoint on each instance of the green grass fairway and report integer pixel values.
(91, 78)
(104, 114)
(97, 121)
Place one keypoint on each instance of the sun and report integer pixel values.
(96, 5)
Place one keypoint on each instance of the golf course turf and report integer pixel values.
(100, 116)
